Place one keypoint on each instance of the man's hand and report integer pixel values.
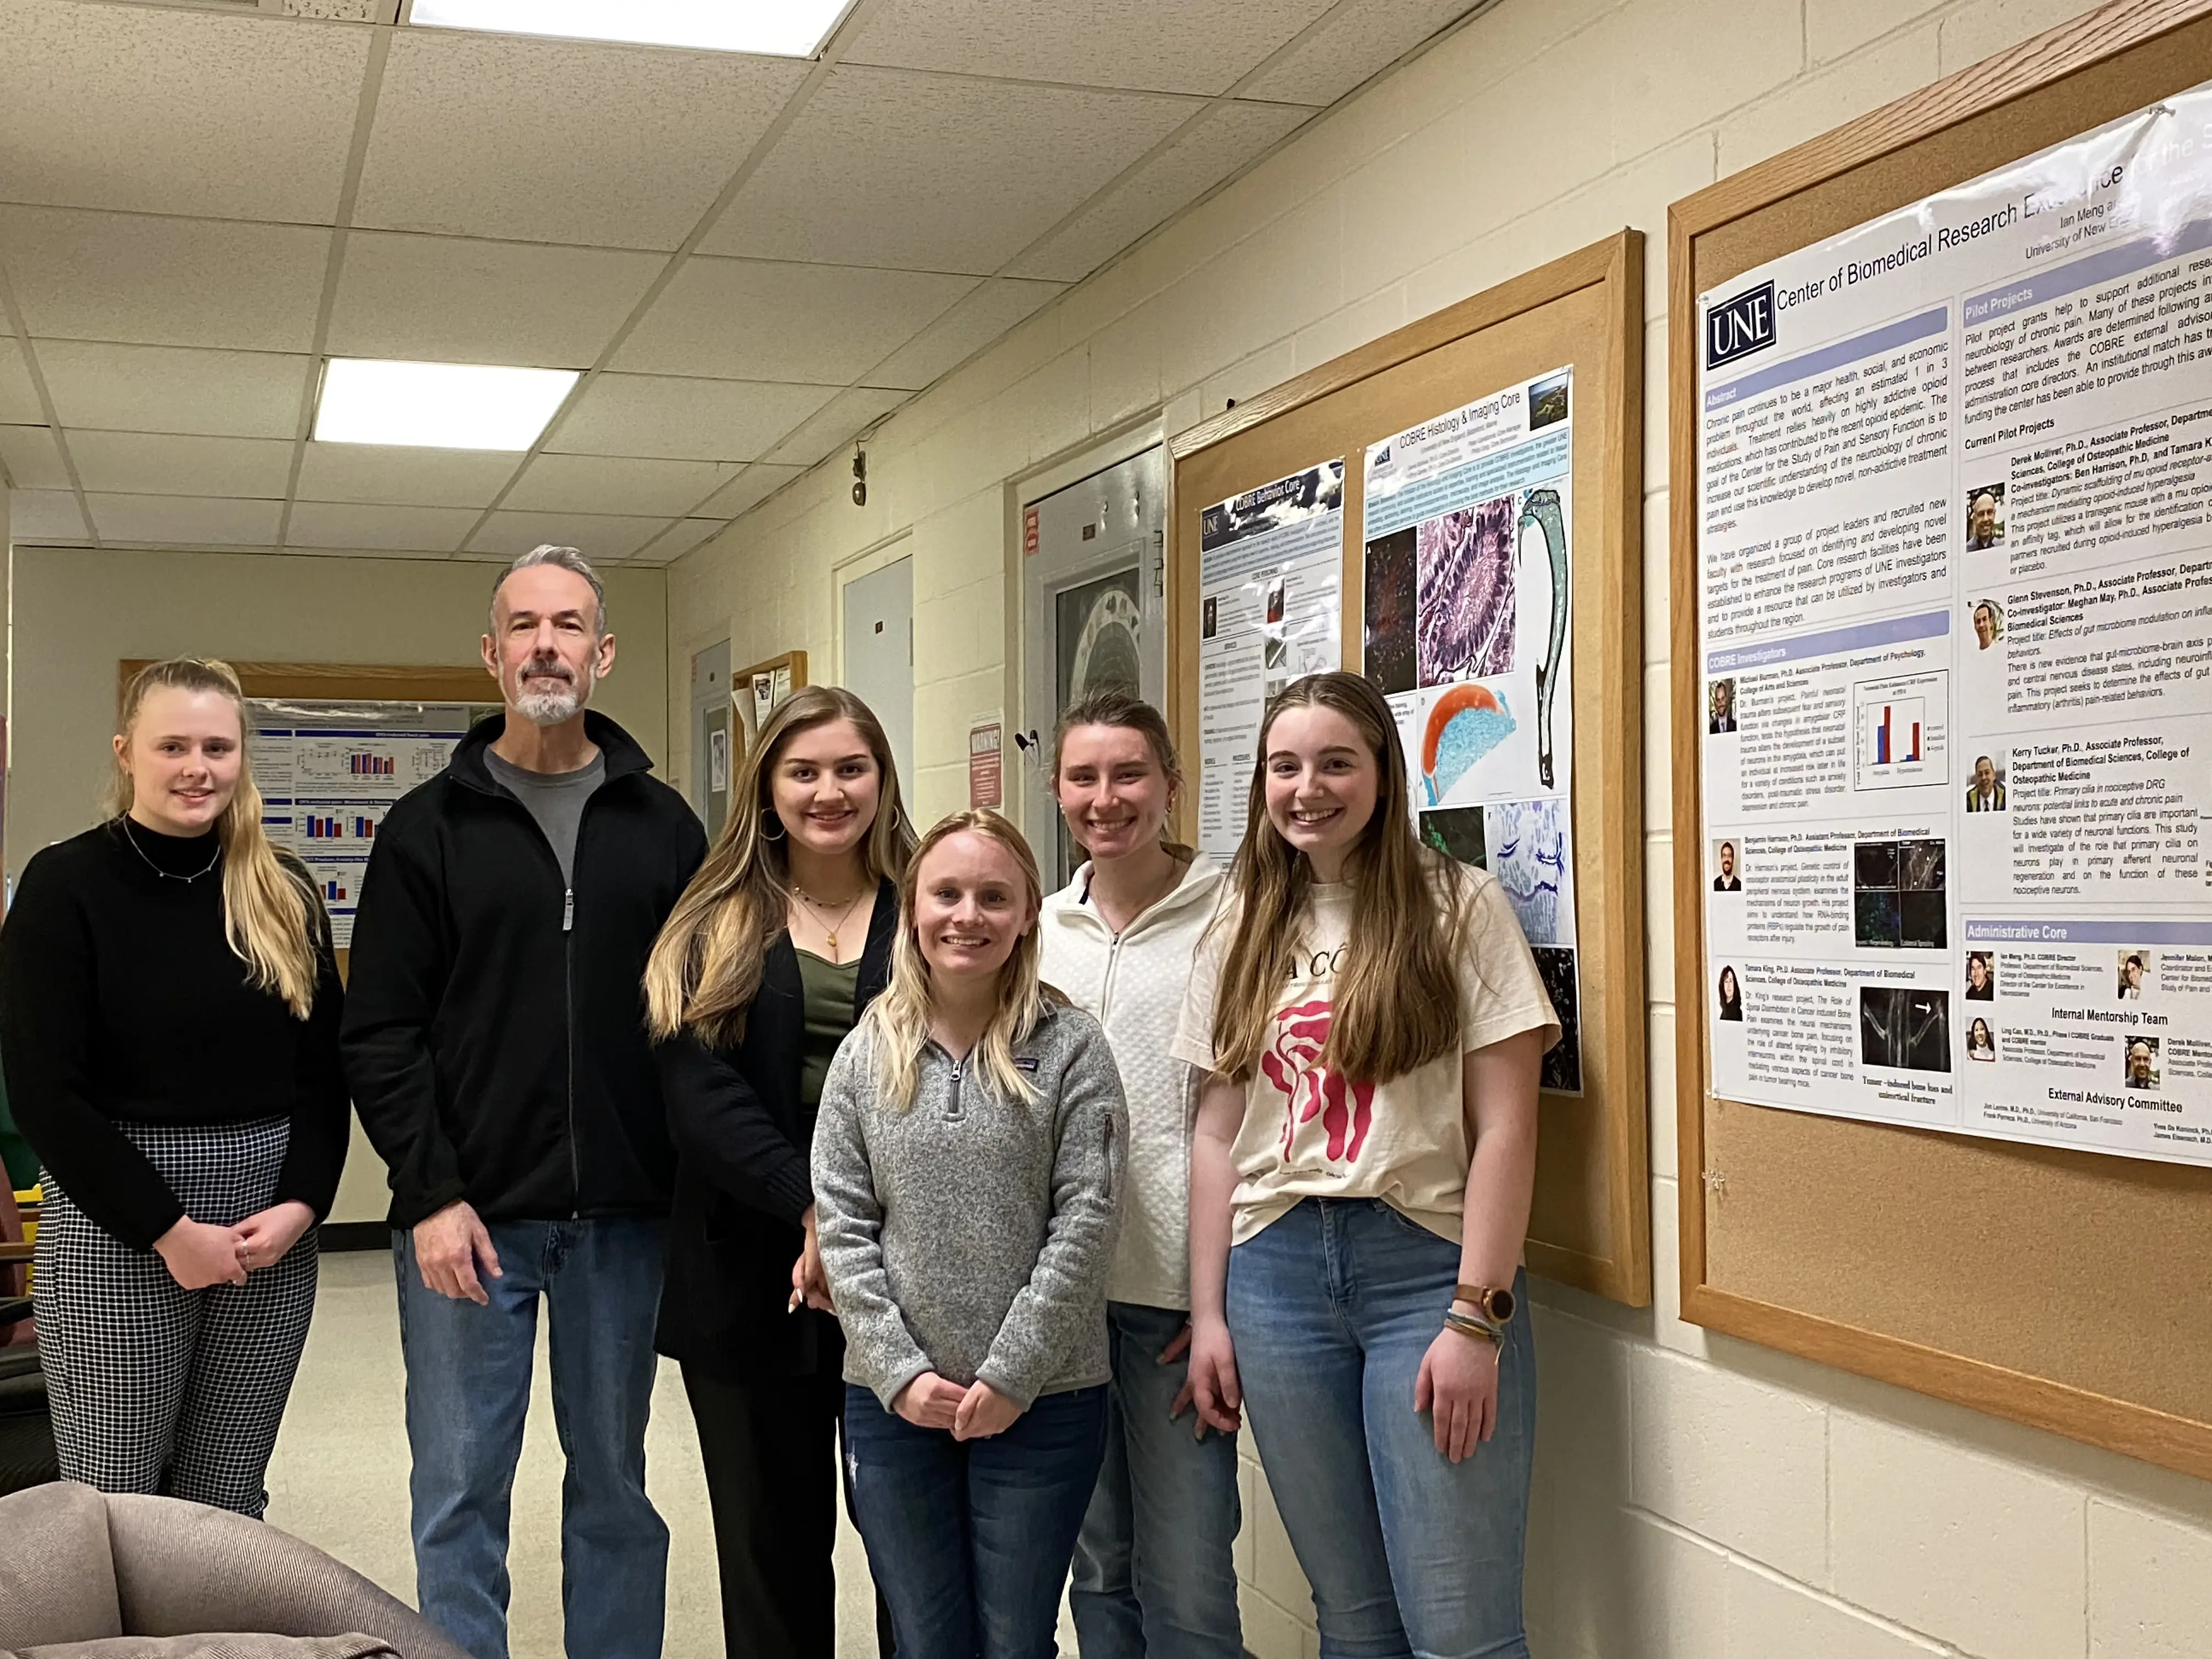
(929, 1401)
(266, 1238)
(199, 1256)
(450, 1247)
(983, 1413)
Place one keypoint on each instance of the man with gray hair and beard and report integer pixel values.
(495, 1046)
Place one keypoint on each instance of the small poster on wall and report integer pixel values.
(1271, 597)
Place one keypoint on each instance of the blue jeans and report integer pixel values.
(1154, 1575)
(468, 1387)
(1332, 1309)
(970, 1540)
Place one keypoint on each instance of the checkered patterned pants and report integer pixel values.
(156, 1388)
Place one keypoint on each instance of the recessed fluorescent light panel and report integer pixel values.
(780, 28)
(437, 405)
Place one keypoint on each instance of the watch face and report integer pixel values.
(1501, 1306)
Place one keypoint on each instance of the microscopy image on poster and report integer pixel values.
(1468, 623)
(1955, 625)
(1464, 559)
(1271, 583)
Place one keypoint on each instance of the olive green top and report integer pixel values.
(830, 987)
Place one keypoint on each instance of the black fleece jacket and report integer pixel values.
(495, 1030)
(744, 1139)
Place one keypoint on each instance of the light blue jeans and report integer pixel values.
(1332, 1308)
(468, 1387)
(1154, 1575)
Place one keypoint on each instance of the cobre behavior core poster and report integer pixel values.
(1469, 631)
(1955, 624)
(1271, 610)
(328, 773)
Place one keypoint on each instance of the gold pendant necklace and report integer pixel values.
(830, 928)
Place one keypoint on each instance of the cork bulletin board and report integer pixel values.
(1583, 314)
(2060, 1288)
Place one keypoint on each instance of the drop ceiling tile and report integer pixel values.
(164, 281)
(45, 515)
(194, 521)
(509, 534)
(160, 110)
(1363, 39)
(444, 299)
(761, 320)
(135, 388)
(19, 399)
(679, 540)
(401, 475)
(931, 173)
(751, 487)
(980, 318)
(32, 459)
(674, 419)
(1225, 138)
(162, 463)
(560, 141)
(1161, 46)
(617, 484)
(351, 524)
(846, 414)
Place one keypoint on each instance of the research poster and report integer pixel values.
(1271, 609)
(330, 771)
(1956, 641)
(1468, 630)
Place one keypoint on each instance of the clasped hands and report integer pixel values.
(975, 1412)
(199, 1255)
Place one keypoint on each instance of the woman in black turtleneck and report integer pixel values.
(169, 1008)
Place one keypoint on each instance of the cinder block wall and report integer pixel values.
(1697, 1498)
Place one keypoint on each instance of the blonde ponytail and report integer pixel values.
(270, 917)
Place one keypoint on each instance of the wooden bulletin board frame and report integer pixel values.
(2061, 1289)
(741, 707)
(1591, 1225)
(338, 682)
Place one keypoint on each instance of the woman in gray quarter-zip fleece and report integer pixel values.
(968, 1187)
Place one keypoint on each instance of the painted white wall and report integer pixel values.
(1697, 1498)
(81, 611)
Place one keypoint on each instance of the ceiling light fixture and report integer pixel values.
(437, 405)
(780, 28)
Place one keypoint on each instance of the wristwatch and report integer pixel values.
(1495, 1306)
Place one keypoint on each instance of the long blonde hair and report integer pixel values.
(269, 920)
(1395, 1005)
(898, 1020)
(705, 967)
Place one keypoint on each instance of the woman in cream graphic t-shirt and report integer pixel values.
(1372, 1023)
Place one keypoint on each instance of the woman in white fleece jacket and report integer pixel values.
(1153, 1572)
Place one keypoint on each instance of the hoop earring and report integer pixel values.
(898, 817)
(772, 818)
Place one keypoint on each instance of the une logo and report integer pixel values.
(1736, 328)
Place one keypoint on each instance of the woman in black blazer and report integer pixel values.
(781, 942)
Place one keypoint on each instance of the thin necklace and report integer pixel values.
(164, 874)
(830, 928)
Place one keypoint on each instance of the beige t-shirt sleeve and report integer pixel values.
(1194, 1038)
(1502, 994)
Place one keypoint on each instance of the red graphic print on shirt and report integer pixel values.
(1310, 1090)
